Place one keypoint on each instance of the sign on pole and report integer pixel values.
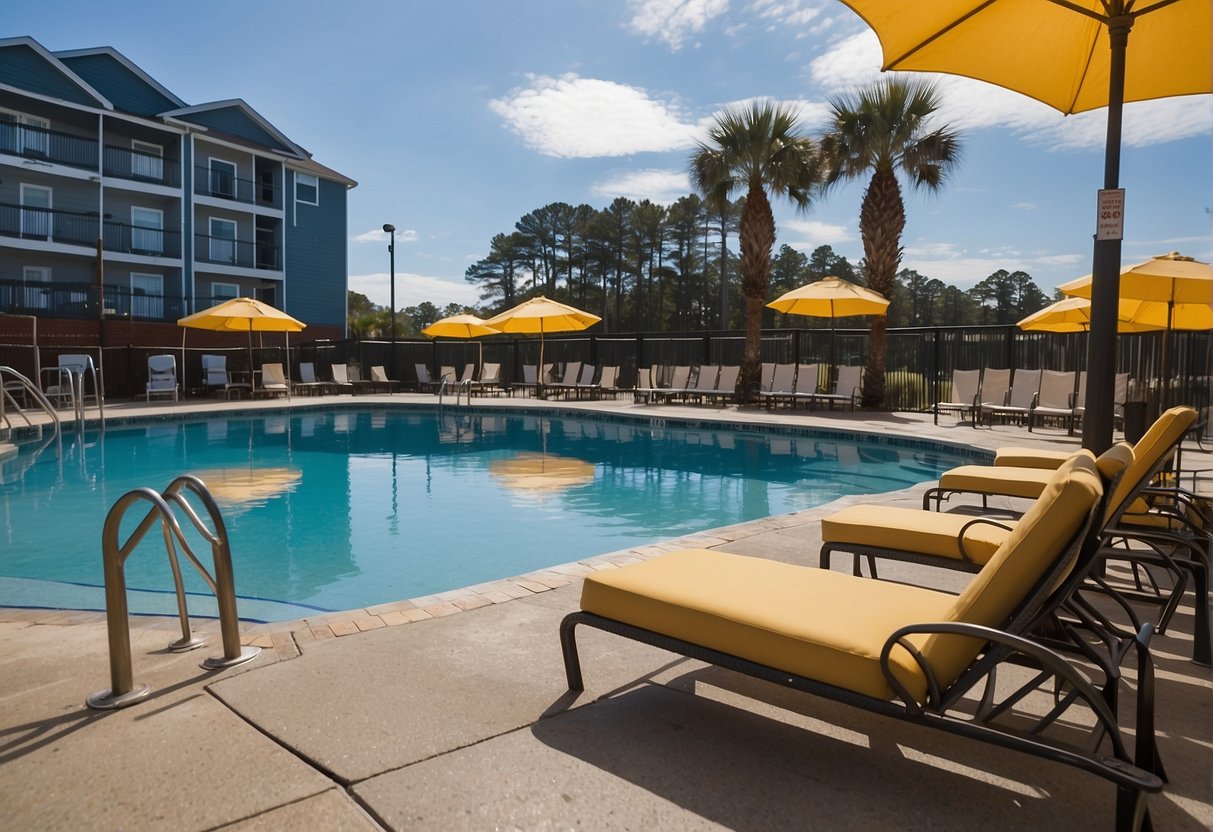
(1110, 214)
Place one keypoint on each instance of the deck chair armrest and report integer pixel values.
(1058, 677)
(976, 521)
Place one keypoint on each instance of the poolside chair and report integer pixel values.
(680, 379)
(1024, 387)
(847, 388)
(726, 385)
(216, 377)
(568, 382)
(1120, 394)
(273, 381)
(964, 397)
(1180, 553)
(308, 384)
(783, 384)
(585, 381)
(766, 377)
(808, 380)
(1055, 399)
(705, 383)
(644, 388)
(906, 652)
(341, 379)
(424, 381)
(608, 382)
(995, 388)
(161, 376)
(378, 381)
(490, 379)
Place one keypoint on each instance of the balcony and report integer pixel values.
(75, 228)
(27, 223)
(79, 300)
(124, 163)
(243, 253)
(48, 146)
(223, 185)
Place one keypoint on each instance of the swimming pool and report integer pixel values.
(341, 509)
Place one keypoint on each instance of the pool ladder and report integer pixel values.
(123, 691)
(460, 388)
(12, 382)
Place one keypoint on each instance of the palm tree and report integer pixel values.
(757, 149)
(882, 129)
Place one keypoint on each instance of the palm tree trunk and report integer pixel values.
(757, 235)
(882, 218)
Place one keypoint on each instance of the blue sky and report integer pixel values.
(458, 117)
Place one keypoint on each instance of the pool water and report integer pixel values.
(345, 509)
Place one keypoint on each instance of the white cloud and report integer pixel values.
(951, 264)
(661, 186)
(785, 12)
(973, 105)
(673, 21)
(378, 235)
(809, 234)
(412, 289)
(572, 117)
(812, 115)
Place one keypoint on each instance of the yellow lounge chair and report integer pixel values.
(902, 651)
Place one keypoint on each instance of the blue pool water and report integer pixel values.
(343, 509)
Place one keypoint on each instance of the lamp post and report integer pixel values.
(388, 228)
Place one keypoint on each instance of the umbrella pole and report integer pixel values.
(833, 350)
(1105, 266)
(539, 371)
(252, 379)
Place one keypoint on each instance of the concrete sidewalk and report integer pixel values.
(449, 715)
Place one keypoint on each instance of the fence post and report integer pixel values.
(935, 369)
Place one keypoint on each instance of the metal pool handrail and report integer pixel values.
(123, 691)
(10, 377)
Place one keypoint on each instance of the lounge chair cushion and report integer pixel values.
(913, 530)
(1030, 458)
(1029, 483)
(795, 618)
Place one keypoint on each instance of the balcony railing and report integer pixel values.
(243, 253)
(48, 145)
(30, 223)
(79, 300)
(75, 228)
(125, 163)
(223, 185)
(134, 239)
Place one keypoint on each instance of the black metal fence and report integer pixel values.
(919, 362)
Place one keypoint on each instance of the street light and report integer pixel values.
(388, 228)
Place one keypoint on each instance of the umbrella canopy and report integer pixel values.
(831, 297)
(242, 315)
(1166, 278)
(459, 326)
(541, 315)
(1073, 55)
(1074, 315)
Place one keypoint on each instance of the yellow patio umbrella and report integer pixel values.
(1074, 315)
(1074, 55)
(541, 315)
(831, 297)
(1173, 291)
(460, 326)
(243, 315)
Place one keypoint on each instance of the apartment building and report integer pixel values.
(119, 199)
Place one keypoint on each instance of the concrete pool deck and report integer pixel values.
(450, 711)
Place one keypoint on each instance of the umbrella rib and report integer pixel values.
(922, 44)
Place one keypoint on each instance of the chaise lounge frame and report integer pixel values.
(1134, 776)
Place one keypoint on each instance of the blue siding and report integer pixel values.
(232, 120)
(23, 68)
(316, 270)
(125, 90)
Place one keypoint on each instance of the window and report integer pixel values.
(147, 296)
(147, 160)
(224, 291)
(307, 189)
(147, 230)
(223, 178)
(35, 212)
(34, 289)
(223, 241)
(26, 135)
